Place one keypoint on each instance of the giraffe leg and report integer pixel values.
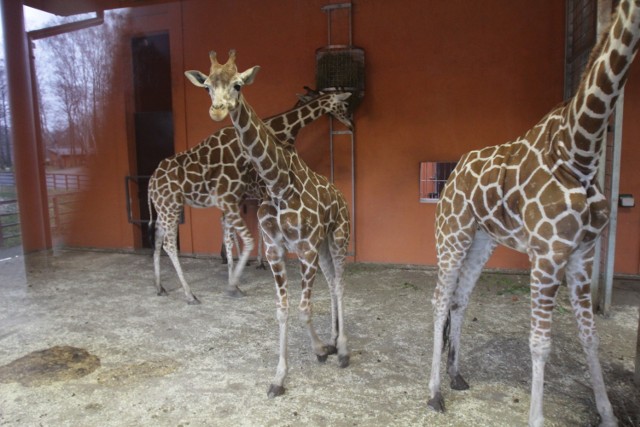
(546, 276)
(338, 244)
(326, 265)
(171, 248)
(579, 271)
(478, 254)
(451, 254)
(236, 223)
(275, 258)
(308, 268)
(447, 280)
(227, 244)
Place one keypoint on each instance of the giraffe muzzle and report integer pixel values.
(218, 113)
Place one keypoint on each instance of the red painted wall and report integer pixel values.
(627, 242)
(442, 78)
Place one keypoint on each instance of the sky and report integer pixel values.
(34, 20)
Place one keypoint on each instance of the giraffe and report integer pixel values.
(302, 99)
(302, 212)
(538, 195)
(217, 173)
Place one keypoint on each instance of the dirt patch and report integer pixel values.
(59, 363)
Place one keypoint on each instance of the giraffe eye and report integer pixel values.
(237, 87)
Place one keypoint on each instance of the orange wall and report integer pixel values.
(442, 78)
(627, 242)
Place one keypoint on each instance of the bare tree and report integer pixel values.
(74, 74)
(5, 141)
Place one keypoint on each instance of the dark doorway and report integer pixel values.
(153, 112)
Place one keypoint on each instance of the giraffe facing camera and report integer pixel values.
(301, 211)
(216, 172)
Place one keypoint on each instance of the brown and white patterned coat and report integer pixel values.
(217, 173)
(537, 195)
(303, 212)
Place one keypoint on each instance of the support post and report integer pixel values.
(28, 159)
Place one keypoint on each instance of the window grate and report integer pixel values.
(433, 177)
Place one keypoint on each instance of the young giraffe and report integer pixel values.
(537, 195)
(302, 99)
(303, 212)
(217, 173)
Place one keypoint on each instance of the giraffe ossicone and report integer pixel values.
(302, 211)
(538, 195)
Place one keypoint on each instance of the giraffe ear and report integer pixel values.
(196, 77)
(248, 76)
(343, 96)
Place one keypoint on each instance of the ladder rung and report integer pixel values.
(330, 7)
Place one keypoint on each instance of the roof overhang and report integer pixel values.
(66, 7)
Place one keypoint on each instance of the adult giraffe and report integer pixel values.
(537, 195)
(217, 173)
(303, 212)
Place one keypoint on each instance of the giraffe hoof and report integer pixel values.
(194, 301)
(327, 350)
(343, 361)
(436, 403)
(235, 293)
(162, 293)
(261, 266)
(275, 391)
(458, 383)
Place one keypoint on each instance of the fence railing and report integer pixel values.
(61, 204)
(55, 181)
(67, 181)
(9, 223)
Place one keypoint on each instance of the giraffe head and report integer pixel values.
(223, 84)
(337, 101)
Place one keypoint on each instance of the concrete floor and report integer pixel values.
(118, 355)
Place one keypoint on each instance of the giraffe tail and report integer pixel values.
(151, 228)
(445, 331)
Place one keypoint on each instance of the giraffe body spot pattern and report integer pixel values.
(538, 195)
(301, 211)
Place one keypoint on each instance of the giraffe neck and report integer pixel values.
(287, 125)
(268, 157)
(587, 113)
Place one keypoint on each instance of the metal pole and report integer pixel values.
(613, 200)
(604, 8)
(331, 146)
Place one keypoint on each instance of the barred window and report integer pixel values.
(433, 177)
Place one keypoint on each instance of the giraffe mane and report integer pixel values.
(596, 51)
